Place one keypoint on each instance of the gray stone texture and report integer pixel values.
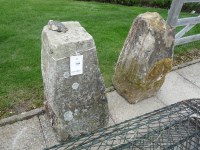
(56, 26)
(120, 110)
(176, 89)
(192, 73)
(145, 58)
(22, 135)
(75, 104)
(47, 130)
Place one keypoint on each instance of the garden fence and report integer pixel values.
(189, 23)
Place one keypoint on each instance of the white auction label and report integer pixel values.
(76, 65)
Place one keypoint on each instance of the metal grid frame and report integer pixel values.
(175, 127)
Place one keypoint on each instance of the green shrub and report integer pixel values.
(152, 3)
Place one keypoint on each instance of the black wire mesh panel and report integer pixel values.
(174, 127)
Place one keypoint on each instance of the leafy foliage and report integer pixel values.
(151, 3)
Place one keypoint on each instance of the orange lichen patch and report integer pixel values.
(145, 58)
(159, 70)
(133, 89)
(155, 21)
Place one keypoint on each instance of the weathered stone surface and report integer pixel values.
(56, 26)
(47, 130)
(145, 58)
(75, 104)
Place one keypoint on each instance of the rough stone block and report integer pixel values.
(145, 58)
(75, 104)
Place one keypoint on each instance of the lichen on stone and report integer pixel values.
(145, 59)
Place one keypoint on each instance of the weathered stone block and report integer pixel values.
(145, 58)
(75, 104)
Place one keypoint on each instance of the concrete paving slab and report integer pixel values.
(22, 135)
(192, 73)
(121, 110)
(176, 88)
(48, 132)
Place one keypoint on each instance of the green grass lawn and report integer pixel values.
(20, 42)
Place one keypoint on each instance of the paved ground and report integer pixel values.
(36, 132)
(32, 134)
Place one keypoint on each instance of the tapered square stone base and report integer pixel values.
(75, 104)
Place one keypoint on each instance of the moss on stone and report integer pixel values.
(159, 70)
(126, 80)
(145, 58)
